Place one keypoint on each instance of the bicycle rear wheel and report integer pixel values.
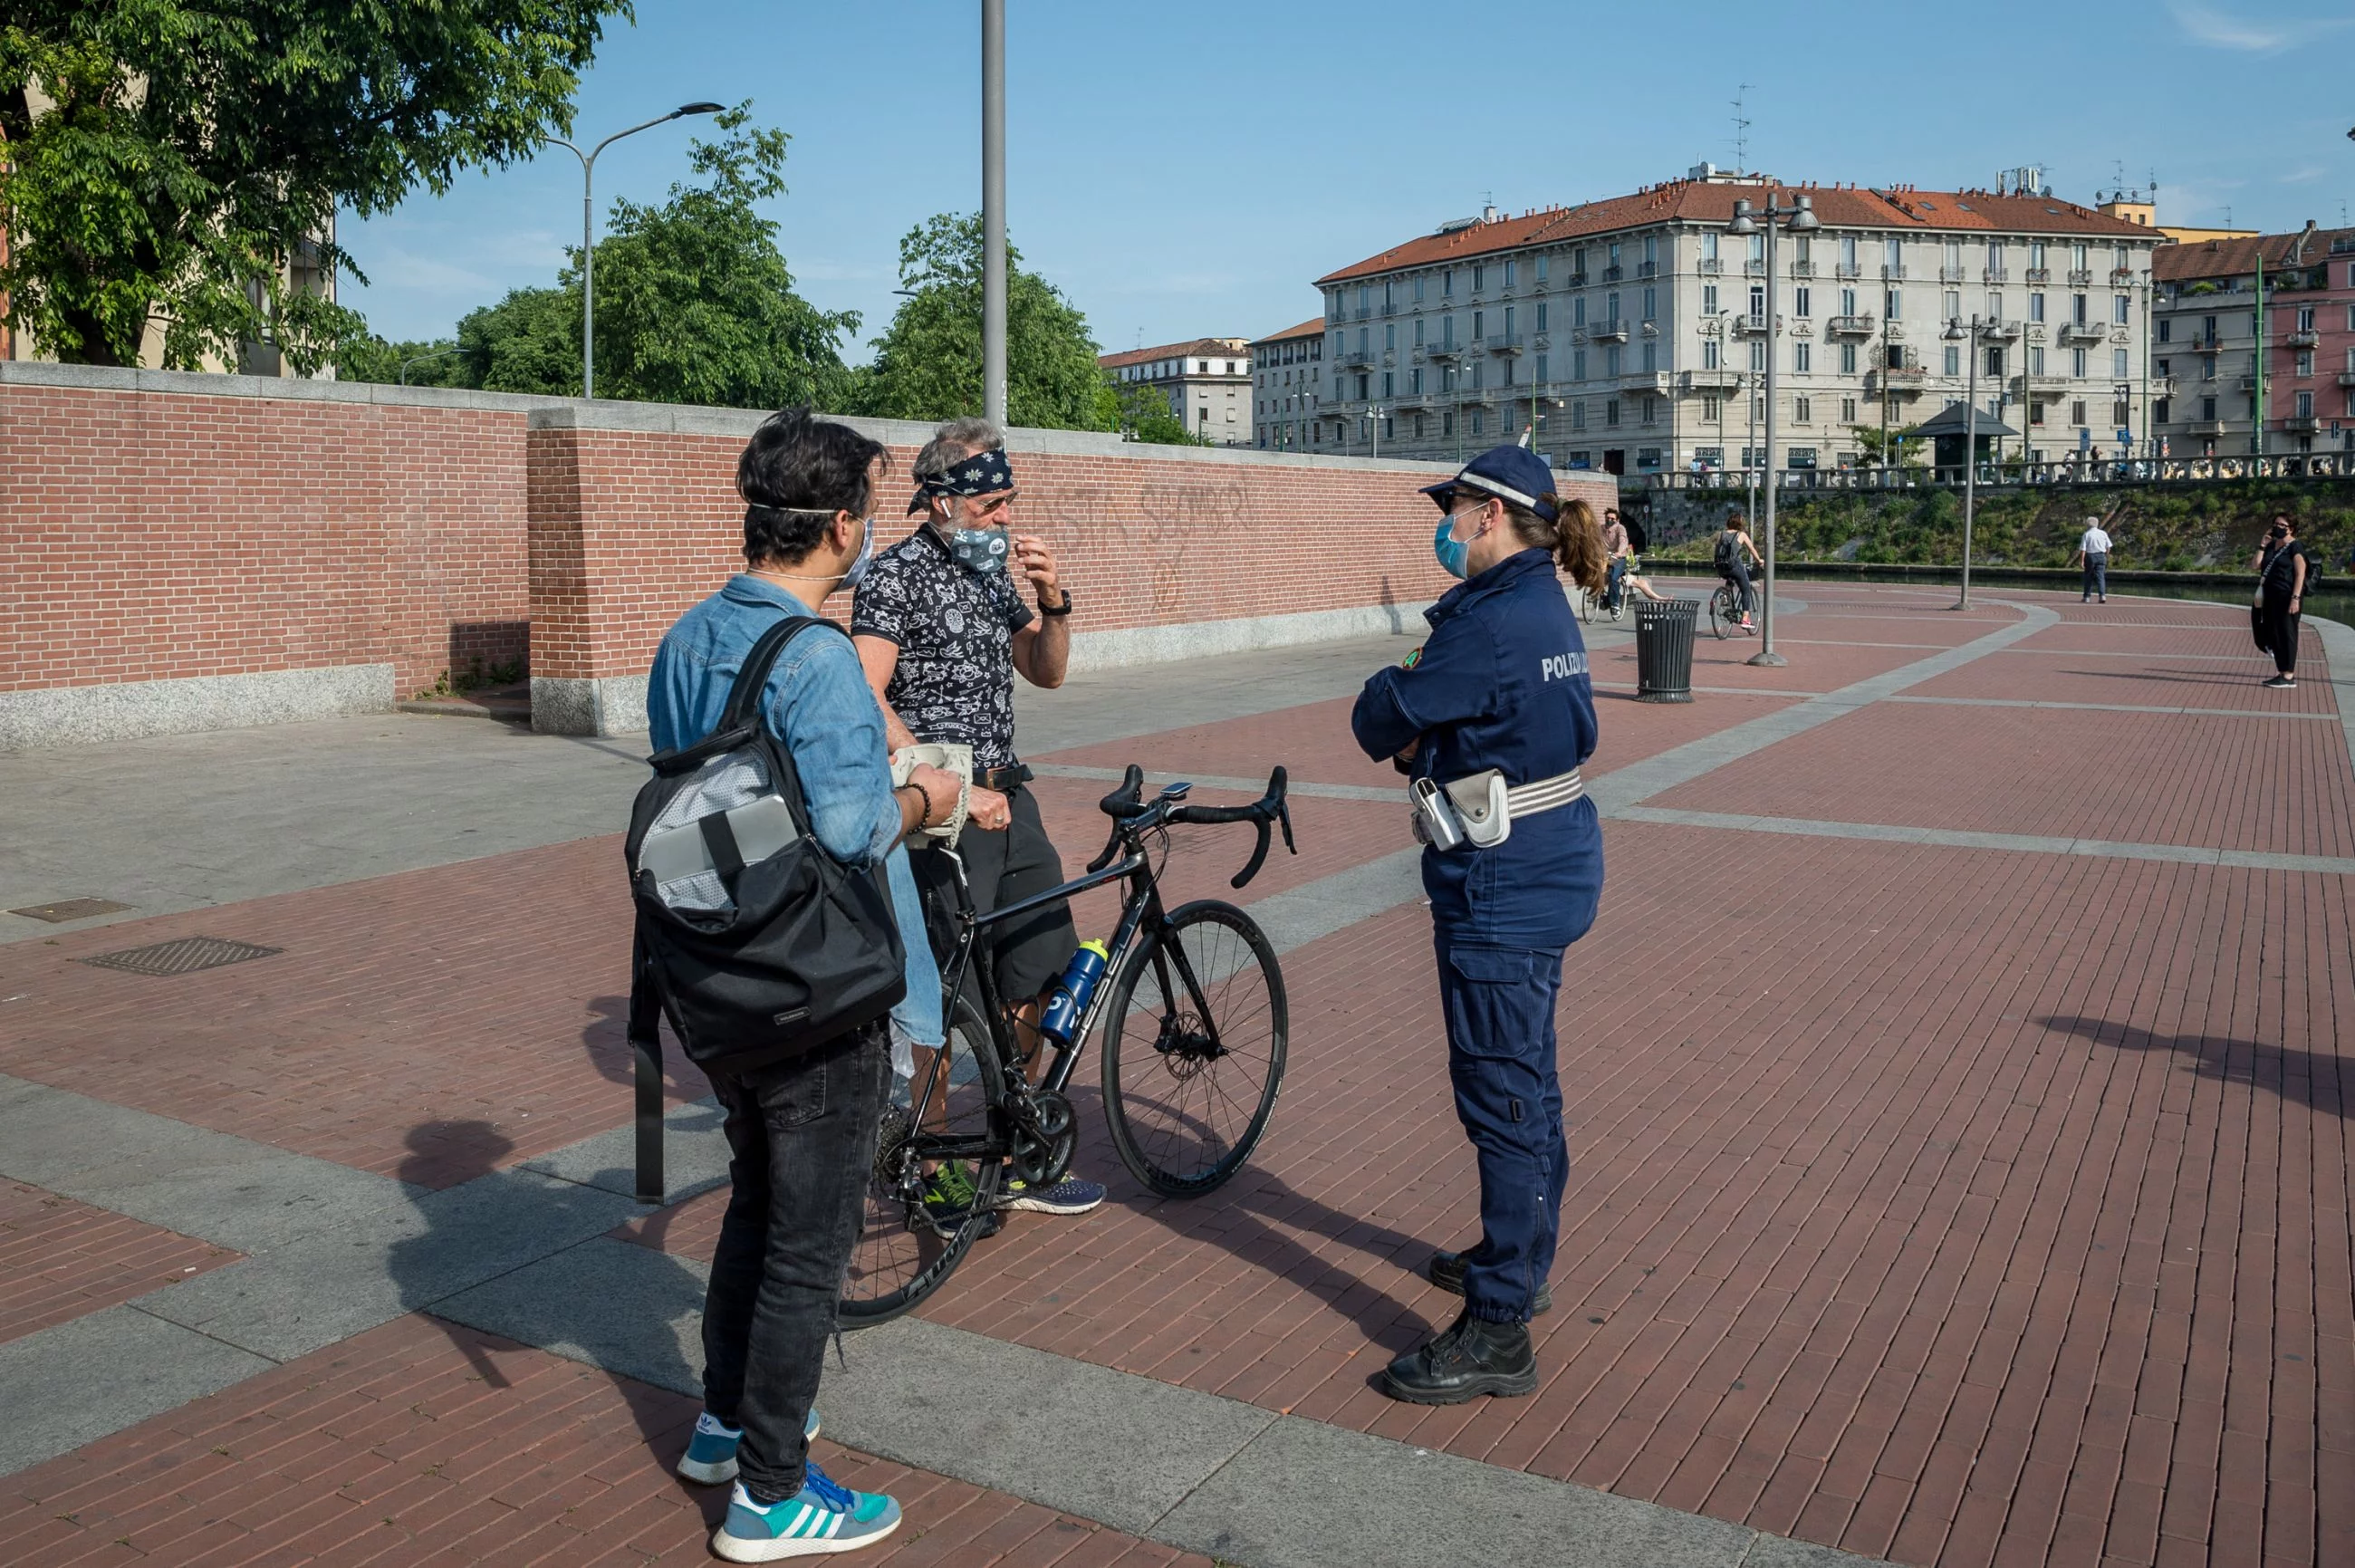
(1194, 1048)
(906, 1251)
(1722, 614)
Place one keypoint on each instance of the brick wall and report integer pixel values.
(158, 527)
(151, 535)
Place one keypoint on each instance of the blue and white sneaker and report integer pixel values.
(823, 1517)
(1069, 1196)
(710, 1457)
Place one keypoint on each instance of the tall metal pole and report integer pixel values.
(992, 211)
(2257, 403)
(1767, 655)
(1750, 454)
(1970, 457)
(588, 279)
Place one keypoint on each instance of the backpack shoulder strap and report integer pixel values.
(645, 1032)
(744, 697)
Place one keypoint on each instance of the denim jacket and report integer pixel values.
(819, 706)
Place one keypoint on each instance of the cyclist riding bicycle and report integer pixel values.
(1734, 555)
(1620, 556)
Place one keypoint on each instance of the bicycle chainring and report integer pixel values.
(1043, 1149)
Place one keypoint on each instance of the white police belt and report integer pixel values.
(1479, 808)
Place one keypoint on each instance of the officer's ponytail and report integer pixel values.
(1573, 536)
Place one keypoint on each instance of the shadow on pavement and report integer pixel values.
(2301, 1076)
(568, 1288)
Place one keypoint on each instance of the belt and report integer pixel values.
(1544, 794)
(1005, 780)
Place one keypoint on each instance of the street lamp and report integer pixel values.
(588, 238)
(1979, 329)
(423, 358)
(1800, 218)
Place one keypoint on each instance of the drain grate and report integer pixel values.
(65, 909)
(185, 956)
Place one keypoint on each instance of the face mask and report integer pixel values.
(979, 550)
(1455, 554)
(866, 557)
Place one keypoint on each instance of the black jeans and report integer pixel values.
(802, 1133)
(2281, 631)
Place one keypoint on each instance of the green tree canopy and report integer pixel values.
(927, 364)
(184, 160)
(695, 303)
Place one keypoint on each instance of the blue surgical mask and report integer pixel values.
(866, 557)
(979, 550)
(1455, 554)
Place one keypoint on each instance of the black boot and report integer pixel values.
(1468, 1358)
(1446, 1272)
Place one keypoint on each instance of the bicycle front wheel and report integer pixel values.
(934, 1186)
(1194, 1048)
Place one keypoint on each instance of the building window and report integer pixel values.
(2207, 408)
(1651, 304)
(1512, 272)
(1578, 364)
(1801, 300)
(1477, 421)
(1651, 409)
(2077, 363)
(2077, 412)
(2305, 361)
(1953, 305)
(2159, 413)
(1708, 298)
(1611, 413)
(1578, 311)
(1479, 318)
(1447, 283)
(1954, 361)
(2166, 328)
(1542, 266)
(1651, 356)
(1418, 288)
(1847, 410)
(1578, 415)
(1994, 366)
(1388, 385)
(2035, 412)
(2121, 308)
(1711, 410)
(1805, 409)
(1892, 303)
(1542, 315)
(2077, 307)
(2305, 405)
(1418, 332)
(1479, 276)
(1447, 422)
(1709, 353)
(1757, 302)
(1803, 357)
(1611, 363)
(1415, 381)
(1610, 306)
(2036, 358)
(1508, 372)
(2121, 415)
(1758, 354)
(1542, 377)
(2118, 364)
(1894, 251)
(1847, 358)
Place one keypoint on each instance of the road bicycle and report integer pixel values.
(1191, 1006)
(1725, 610)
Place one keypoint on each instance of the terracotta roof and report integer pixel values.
(1900, 207)
(1313, 327)
(2238, 258)
(1203, 347)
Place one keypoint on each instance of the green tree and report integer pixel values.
(695, 303)
(1143, 412)
(189, 156)
(1877, 446)
(434, 363)
(927, 364)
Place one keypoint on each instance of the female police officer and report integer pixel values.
(1491, 718)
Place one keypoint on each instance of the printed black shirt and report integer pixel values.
(955, 629)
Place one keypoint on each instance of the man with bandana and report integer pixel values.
(941, 628)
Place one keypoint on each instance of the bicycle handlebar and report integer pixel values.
(1130, 813)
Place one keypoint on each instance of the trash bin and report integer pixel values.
(1664, 649)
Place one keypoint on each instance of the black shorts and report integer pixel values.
(1003, 867)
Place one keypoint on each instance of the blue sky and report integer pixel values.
(1187, 170)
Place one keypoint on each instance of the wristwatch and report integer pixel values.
(1059, 609)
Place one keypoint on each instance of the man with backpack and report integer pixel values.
(802, 1110)
(1734, 555)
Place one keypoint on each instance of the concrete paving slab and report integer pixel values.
(67, 1385)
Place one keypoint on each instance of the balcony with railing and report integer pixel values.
(1710, 266)
(1994, 275)
(2042, 386)
(1897, 380)
(2084, 332)
(2301, 424)
(1953, 275)
(2039, 274)
(1847, 270)
(1390, 307)
(1506, 343)
(1647, 269)
(2000, 331)
(1612, 275)
(1893, 273)
(2121, 277)
(1803, 269)
(1575, 281)
(2347, 377)
(1612, 331)
(2305, 339)
(1362, 312)
(1755, 267)
(1849, 327)
(1445, 353)
(1748, 325)
(1360, 359)
(1718, 380)
(2081, 276)
(2205, 427)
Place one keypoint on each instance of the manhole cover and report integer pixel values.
(71, 909)
(182, 957)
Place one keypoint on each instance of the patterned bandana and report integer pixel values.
(983, 473)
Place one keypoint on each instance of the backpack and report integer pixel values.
(1727, 550)
(755, 942)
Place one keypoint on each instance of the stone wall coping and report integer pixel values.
(668, 419)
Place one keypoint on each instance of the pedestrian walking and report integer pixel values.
(2281, 565)
(1491, 719)
(801, 1128)
(2094, 555)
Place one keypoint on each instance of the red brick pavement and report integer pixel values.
(2157, 681)
(425, 1443)
(2130, 777)
(59, 1259)
(1961, 1207)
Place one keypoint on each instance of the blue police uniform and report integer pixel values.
(1502, 683)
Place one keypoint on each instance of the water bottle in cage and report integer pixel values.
(1072, 991)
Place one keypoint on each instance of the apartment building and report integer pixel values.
(1208, 381)
(1288, 389)
(1626, 332)
(2213, 336)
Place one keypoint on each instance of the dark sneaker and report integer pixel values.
(948, 1198)
(2284, 683)
(710, 1457)
(1468, 1358)
(1446, 1271)
(821, 1517)
(1069, 1196)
